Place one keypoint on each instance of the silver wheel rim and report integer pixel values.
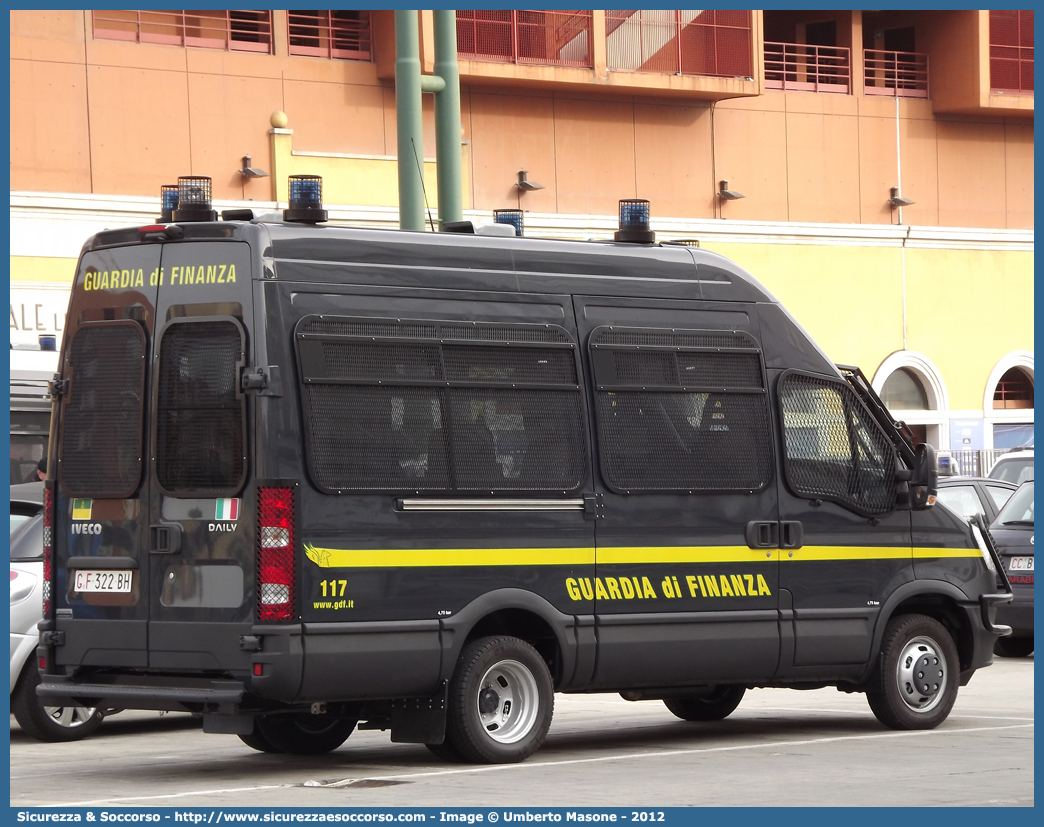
(507, 702)
(921, 675)
(70, 717)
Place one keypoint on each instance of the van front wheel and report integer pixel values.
(501, 700)
(300, 733)
(916, 682)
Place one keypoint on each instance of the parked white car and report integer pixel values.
(45, 723)
(1015, 466)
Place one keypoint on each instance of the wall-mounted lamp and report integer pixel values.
(251, 172)
(897, 200)
(726, 194)
(524, 184)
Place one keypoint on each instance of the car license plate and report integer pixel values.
(102, 581)
(1020, 564)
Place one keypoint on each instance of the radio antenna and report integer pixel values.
(420, 171)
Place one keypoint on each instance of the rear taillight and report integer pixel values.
(276, 565)
(48, 548)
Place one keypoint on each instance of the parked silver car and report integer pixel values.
(45, 723)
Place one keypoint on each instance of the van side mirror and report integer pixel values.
(924, 477)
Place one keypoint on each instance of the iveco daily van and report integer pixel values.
(307, 478)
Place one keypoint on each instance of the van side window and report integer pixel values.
(833, 450)
(102, 428)
(395, 405)
(680, 410)
(200, 414)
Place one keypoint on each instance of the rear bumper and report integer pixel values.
(221, 697)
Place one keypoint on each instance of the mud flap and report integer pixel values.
(420, 720)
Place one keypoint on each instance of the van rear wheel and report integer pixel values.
(717, 704)
(446, 751)
(301, 733)
(255, 740)
(501, 700)
(916, 683)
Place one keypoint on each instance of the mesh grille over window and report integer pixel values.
(102, 433)
(495, 414)
(199, 418)
(681, 410)
(833, 448)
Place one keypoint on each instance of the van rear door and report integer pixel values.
(201, 548)
(101, 537)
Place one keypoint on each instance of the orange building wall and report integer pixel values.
(114, 117)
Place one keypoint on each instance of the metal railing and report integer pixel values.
(1011, 51)
(344, 34)
(805, 68)
(545, 37)
(895, 74)
(241, 30)
(680, 42)
(978, 462)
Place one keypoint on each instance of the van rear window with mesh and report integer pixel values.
(428, 406)
(833, 449)
(200, 425)
(102, 427)
(681, 410)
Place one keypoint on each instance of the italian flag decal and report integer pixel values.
(226, 510)
(82, 509)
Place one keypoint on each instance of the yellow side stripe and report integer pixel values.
(932, 553)
(686, 554)
(625, 555)
(437, 557)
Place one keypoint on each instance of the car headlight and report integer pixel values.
(981, 543)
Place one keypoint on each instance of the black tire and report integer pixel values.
(447, 752)
(501, 700)
(918, 675)
(715, 705)
(255, 740)
(49, 723)
(301, 733)
(1014, 647)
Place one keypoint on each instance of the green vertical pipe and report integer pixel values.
(447, 117)
(408, 116)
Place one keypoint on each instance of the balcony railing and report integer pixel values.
(549, 38)
(694, 42)
(237, 30)
(343, 34)
(1011, 52)
(798, 66)
(895, 74)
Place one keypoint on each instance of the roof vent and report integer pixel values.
(634, 222)
(512, 217)
(306, 200)
(194, 199)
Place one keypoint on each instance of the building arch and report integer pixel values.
(1023, 360)
(935, 419)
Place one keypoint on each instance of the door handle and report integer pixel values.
(793, 534)
(762, 534)
(165, 539)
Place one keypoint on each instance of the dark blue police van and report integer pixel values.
(306, 478)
